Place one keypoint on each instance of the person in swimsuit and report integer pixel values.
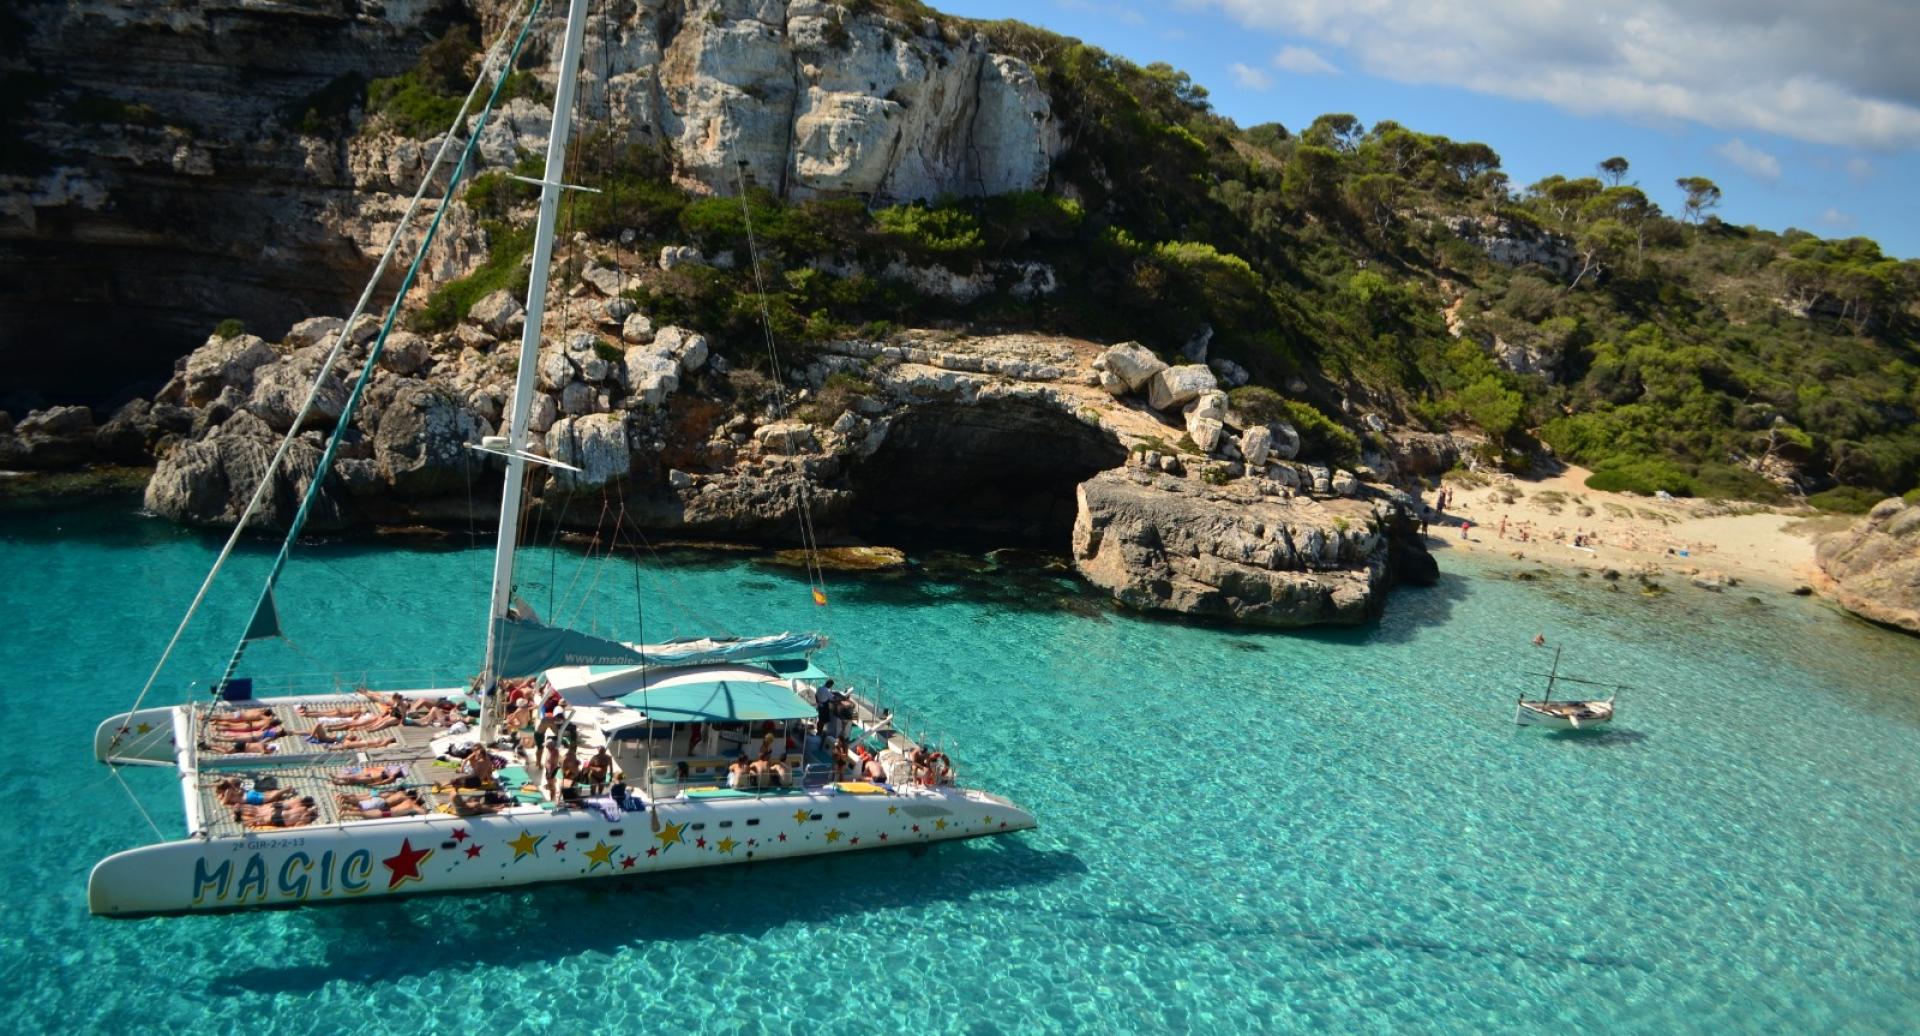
(245, 748)
(363, 721)
(476, 771)
(370, 775)
(229, 793)
(278, 814)
(347, 742)
(740, 775)
(400, 802)
(243, 737)
(842, 759)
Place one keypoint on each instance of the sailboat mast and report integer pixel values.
(520, 437)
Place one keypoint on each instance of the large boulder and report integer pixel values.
(1256, 444)
(499, 313)
(1133, 364)
(596, 444)
(224, 362)
(421, 449)
(57, 437)
(1873, 568)
(280, 391)
(1175, 386)
(210, 480)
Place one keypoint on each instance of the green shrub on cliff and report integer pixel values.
(504, 268)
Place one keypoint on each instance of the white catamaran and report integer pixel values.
(585, 758)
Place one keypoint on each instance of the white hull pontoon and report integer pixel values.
(1564, 715)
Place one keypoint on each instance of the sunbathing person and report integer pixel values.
(476, 770)
(347, 742)
(247, 736)
(243, 748)
(364, 721)
(278, 814)
(240, 715)
(474, 804)
(229, 793)
(406, 805)
(343, 709)
(370, 775)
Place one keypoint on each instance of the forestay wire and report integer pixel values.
(816, 575)
(315, 484)
(487, 68)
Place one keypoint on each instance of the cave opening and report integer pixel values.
(999, 474)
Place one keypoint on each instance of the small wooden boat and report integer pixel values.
(1565, 713)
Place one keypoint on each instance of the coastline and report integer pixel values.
(1711, 544)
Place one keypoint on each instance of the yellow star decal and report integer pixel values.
(725, 845)
(799, 816)
(144, 728)
(601, 854)
(526, 844)
(891, 810)
(833, 835)
(940, 825)
(672, 834)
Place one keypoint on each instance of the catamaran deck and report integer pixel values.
(308, 769)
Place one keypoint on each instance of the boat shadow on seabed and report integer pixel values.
(1600, 737)
(432, 934)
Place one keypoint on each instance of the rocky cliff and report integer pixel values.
(1873, 569)
(163, 173)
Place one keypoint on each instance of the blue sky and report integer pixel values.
(1806, 114)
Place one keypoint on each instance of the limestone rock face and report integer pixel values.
(1175, 386)
(223, 362)
(421, 447)
(596, 444)
(1873, 569)
(208, 482)
(280, 390)
(1161, 545)
(499, 313)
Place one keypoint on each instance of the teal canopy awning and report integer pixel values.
(719, 701)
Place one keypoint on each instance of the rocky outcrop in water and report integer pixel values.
(1248, 551)
(1873, 568)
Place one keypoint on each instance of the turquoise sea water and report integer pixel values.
(1239, 831)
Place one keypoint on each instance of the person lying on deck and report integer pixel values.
(246, 736)
(278, 814)
(472, 804)
(347, 742)
(370, 775)
(229, 793)
(246, 748)
(241, 726)
(398, 803)
(347, 710)
(364, 721)
(237, 716)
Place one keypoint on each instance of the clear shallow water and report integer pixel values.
(1242, 831)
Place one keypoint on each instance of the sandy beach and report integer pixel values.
(1558, 521)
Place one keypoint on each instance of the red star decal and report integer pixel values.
(856, 841)
(473, 850)
(753, 841)
(405, 864)
(883, 836)
(627, 863)
(699, 843)
(653, 851)
(559, 847)
(783, 836)
(1003, 823)
(459, 834)
(916, 828)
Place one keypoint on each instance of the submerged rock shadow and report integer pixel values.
(1600, 737)
(425, 935)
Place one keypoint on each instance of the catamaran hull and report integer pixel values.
(439, 853)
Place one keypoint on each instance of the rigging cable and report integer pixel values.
(816, 575)
(333, 356)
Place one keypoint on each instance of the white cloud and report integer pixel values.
(1836, 219)
(1303, 62)
(1859, 170)
(1249, 78)
(1840, 72)
(1757, 163)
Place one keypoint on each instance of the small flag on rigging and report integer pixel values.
(819, 596)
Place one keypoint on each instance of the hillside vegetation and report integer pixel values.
(1622, 326)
